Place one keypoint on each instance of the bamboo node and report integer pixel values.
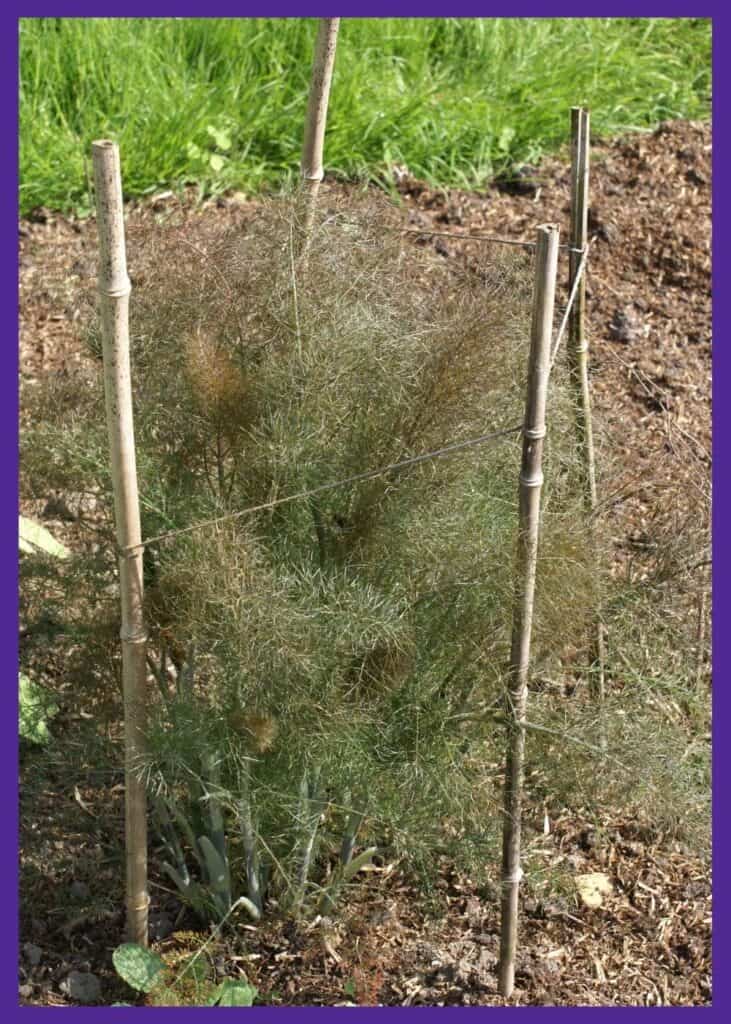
(534, 433)
(137, 907)
(536, 480)
(130, 550)
(513, 879)
(133, 638)
(120, 292)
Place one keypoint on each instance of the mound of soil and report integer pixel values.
(650, 332)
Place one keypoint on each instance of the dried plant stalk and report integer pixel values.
(531, 480)
(311, 164)
(114, 291)
(578, 357)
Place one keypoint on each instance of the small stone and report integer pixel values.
(40, 215)
(695, 177)
(80, 891)
(519, 182)
(82, 987)
(161, 926)
(33, 953)
(441, 247)
(598, 227)
(56, 508)
(623, 326)
(25, 991)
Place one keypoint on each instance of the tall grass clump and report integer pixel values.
(327, 669)
(219, 102)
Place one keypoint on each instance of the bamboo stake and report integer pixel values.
(700, 655)
(531, 480)
(311, 164)
(114, 290)
(578, 356)
(701, 631)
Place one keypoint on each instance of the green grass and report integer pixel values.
(221, 102)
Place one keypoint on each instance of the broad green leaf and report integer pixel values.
(216, 161)
(139, 967)
(35, 538)
(215, 995)
(183, 881)
(236, 993)
(359, 862)
(195, 968)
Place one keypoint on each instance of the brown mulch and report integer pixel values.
(650, 330)
(647, 945)
(648, 288)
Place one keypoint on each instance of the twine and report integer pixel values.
(572, 297)
(480, 238)
(128, 550)
(134, 907)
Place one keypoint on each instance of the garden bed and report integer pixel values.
(650, 330)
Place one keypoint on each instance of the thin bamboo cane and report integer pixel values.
(531, 480)
(701, 632)
(700, 654)
(114, 290)
(578, 358)
(311, 164)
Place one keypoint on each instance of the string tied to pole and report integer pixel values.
(569, 305)
(130, 550)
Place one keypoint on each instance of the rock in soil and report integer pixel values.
(82, 987)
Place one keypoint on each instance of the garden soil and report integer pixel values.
(649, 326)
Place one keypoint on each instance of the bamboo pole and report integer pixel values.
(114, 290)
(531, 480)
(578, 359)
(311, 168)
(701, 632)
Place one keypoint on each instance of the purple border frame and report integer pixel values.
(9, 430)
